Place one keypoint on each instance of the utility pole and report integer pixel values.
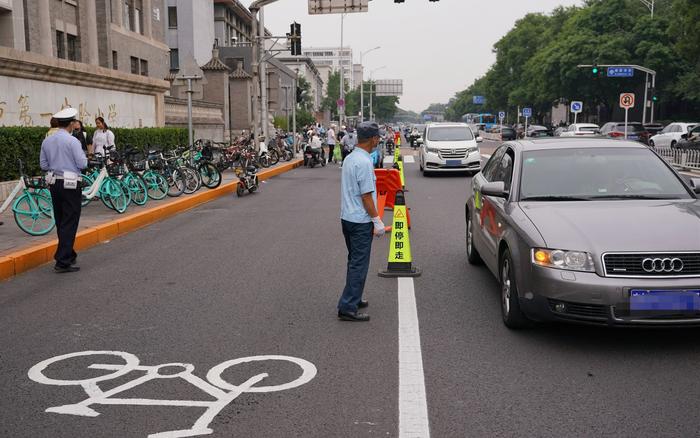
(341, 108)
(362, 84)
(190, 92)
(263, 80)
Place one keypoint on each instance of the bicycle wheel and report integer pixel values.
(139, 192)
(87, 184)
(156, 184)
(192, 179)
(274, 157)
(115, 195)
(34, 214)
(264, 161)
(176, 183)
(211, 177)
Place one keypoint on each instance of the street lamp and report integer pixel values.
(362, 84)
(371, 108)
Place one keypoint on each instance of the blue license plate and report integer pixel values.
(632, 137)
(687, 300)
(454, 163)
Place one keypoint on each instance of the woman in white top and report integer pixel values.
(102, 138)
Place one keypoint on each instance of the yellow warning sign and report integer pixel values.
(400, 245)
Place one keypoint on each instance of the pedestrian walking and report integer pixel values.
(63, 158)
(331, 139)
(348, 144)
(359, 220)
(83, 137)
(103, 138)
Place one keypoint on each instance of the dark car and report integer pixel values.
(653, 128)
(570, 229)
(616, 130)
(536, 131)
(508, 133)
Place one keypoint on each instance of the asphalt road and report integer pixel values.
(261, 275)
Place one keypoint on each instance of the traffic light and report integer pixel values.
(595, 70)
(295, 38)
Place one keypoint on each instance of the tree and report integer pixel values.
(305, 102)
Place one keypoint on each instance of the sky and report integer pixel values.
(437, 48)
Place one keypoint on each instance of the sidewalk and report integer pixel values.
(20, 252)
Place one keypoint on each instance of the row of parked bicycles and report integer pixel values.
(120, 178)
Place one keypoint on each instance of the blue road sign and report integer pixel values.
(479, 100)
(427, 117)
(620, 72)
(527, 112)
(576, 106)
(501, 115)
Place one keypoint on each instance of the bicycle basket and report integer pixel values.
(115, 169)
(35, 183)
(138, 166)
(207, 153)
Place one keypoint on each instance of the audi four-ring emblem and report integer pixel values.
(662, 265)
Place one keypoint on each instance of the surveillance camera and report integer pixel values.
(234, 40)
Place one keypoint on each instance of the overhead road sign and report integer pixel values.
(620, 72)
(479, 100)
(389, 87)
(317, 7)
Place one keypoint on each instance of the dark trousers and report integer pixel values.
(358, 239)
(344, 153)
(330, 152)
(66, 211)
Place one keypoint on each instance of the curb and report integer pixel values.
(28, 258)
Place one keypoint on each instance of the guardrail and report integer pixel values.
(686, 159)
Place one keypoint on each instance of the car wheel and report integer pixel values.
(673, 144)
(513, 317)
(472, 253)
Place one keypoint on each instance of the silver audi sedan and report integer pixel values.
(587, 230)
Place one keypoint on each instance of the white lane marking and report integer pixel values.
(409, 159)
(215, 386)
(389, 159)
(413, 404)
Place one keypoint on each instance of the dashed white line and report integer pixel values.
(409, 159)
(413, 404)
(389, 159)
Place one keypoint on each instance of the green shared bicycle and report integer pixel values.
(32, 209)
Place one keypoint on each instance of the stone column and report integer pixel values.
(147, 15)
(93, 56)
(45, 34)
(118, 13)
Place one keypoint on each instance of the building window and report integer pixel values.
(60, 45)
(144, 67)
(133, 17)
(115, 60)
(172, 17)
(134, 65)
(174, 59)
(73, 47)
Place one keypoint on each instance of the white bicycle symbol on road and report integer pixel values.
(215, 386)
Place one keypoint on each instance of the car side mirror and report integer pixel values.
(696, 185)
(479, 139)
(496, 189)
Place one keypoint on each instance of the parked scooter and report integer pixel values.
(247, 179)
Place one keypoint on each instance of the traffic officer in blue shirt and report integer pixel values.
(360, 219)
(62, 157)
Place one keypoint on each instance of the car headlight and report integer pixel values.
(472, 149)
(431, 149)
(563, 259)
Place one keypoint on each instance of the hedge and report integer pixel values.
(25, 144)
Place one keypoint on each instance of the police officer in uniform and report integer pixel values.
(62, 157)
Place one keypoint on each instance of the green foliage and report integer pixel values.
(280, 122)
(307, 97)
(304, 118)
(25, 143)
(536, 61)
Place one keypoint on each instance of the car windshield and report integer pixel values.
(631, 127)
(597, 173)
(450, 133)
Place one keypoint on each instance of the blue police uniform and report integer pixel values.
(358, 179)
(62, 153)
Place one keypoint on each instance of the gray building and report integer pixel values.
(305, 67)
(190, 33)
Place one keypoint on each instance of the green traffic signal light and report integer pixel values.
(655, 98)
(595, 70)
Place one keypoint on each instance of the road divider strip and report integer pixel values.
(31, 257)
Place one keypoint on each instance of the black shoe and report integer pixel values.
(356, 316)
(65, 269)
(363, 304)
(73, 261)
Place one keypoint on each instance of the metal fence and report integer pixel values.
(683, 158)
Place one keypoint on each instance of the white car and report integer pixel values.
(581, 130)
(449, 147)
(671, 135)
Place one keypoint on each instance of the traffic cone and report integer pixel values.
(400, 262)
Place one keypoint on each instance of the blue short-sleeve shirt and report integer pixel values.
(357, 179)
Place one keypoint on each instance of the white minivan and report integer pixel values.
(449, 147)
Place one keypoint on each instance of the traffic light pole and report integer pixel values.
(648, 72)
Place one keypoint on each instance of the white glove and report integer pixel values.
(378, 226)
